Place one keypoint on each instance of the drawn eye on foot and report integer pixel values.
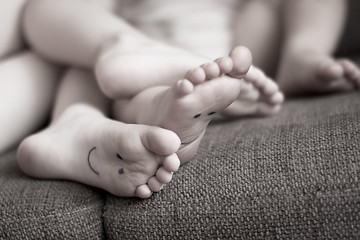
(197, 115)
(121, 170)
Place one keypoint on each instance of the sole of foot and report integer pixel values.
(259, 95)
(187, 107)
(82, 145)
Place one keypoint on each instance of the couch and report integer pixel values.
(295, 175)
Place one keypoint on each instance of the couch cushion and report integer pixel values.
(292, 176)
(40, 209)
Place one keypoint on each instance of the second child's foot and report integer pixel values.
(259, 94)
(187, 107)
(310, 73)
(82, 145)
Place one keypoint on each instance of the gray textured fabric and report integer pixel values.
(292, 176)
(39, 209)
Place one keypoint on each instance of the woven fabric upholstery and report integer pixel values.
(292, 176)
(39, 209)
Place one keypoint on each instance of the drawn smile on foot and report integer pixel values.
(121, 171)
(89, 162)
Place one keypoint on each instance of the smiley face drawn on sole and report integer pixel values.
(121, 171)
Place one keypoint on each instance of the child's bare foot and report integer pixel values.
(187, 107)
(84, 146)
(309, 72)
(259, 95)
(127, 65)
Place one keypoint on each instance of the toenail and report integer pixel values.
(211, 113)
(121, 171)
(119, 157)
(197, 115)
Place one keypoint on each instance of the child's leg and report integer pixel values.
(27, 87)
(84, 34)
(10, 25)
(257, 26)
(83, 145)
(71, 31)
(312, 31)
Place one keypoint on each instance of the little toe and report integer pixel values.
(154, 184)
(163, 175)
(242, 59)
(196, 75)
(171, 163)
(225, 64)
(277, 98)
(211, 69)
(143, 191)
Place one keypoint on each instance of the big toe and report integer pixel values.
(352, 71)
(161, 141)
(329, 71)
(242, 60)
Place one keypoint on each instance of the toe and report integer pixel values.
(183, 87)
(171, 163)
(270, 87)
(212, 70)
(256, 77)
(242, 59)
(249, 93)
(352, 72)
(196, 75)
(154, 184)
(161, 141)
(143, 191)
(277, 98)
(329, 71)
(163, 175)
(225, 64)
